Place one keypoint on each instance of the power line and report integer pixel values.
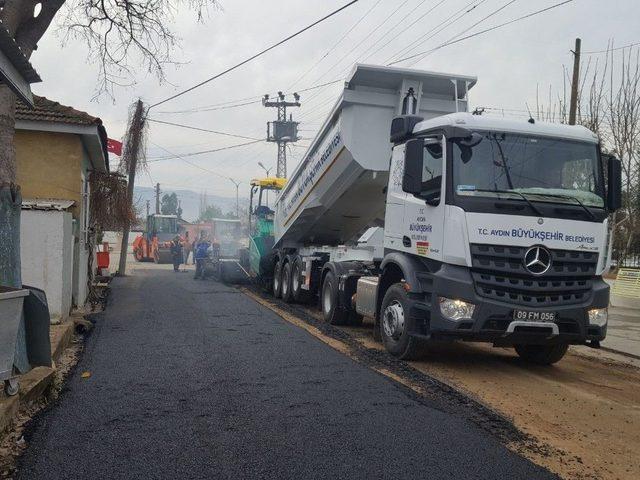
(203, 130)
(486, 17)
(336, 44)
(432, 32)
(483, 31)
(190, 89)
(404, 29)
(258, 97)
(211, 108)
(191, 163)
(611, 49)
(374, 30)
(193, 154)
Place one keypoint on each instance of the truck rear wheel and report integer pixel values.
(299, 295)
(331, 313)
(542, 354)
(287, 296)
(277, 280)
(396, 324)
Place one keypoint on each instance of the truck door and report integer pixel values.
(396, 198)
(424, 216)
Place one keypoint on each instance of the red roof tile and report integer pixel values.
(46, 110)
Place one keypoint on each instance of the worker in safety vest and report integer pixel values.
(200, 253)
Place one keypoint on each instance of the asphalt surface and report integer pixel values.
(193, 379)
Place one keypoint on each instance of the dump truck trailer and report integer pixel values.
(445, 225)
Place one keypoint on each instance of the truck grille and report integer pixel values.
(499, 273)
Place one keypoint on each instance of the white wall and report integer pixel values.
(46, 253)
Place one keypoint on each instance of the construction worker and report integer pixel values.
(176, 253)
(187, 247)
(200, 253)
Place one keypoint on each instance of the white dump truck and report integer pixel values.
(441, 224)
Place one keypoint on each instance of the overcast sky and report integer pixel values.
(509, 63)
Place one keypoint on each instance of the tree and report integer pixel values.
(209, 213)
(609, 105)
(169, 204)
(119, 34)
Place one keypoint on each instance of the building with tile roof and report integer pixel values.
(57, 149)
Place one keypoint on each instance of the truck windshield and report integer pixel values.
(543, 169)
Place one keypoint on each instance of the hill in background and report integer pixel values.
(189, 201)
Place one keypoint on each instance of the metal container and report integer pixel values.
(11, 302)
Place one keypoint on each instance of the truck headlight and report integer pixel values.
(454, 309)
(598, 316)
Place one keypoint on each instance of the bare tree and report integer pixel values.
(118, 33)
(609, 105)
(623, 112)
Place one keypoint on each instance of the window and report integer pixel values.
(544, 169)
(432, 160)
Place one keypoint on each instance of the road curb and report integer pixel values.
(620, 352)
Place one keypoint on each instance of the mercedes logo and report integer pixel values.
(537, 260)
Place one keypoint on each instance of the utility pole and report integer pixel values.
(282, 131)
(573, 105)
(157, 199)
(148, 206)
(130, 157)
(237, 184)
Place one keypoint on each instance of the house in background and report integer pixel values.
(57, 147)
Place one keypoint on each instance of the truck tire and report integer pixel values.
(299, 295)
(287, 295)
(542, 354)
(331, 313)
(396, 323)
(277, 280)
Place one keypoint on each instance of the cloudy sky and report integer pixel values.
(510, 63)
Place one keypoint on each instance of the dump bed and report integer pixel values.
(337, 190)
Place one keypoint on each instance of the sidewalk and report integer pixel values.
(623, 332)
(34, 383)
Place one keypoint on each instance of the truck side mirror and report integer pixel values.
(413, 163)
(614, 189)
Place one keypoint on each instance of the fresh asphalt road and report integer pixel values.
(193, 379)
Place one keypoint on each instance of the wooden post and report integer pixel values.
(132, 151)
(573, 105)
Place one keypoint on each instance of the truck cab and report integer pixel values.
(497, 230)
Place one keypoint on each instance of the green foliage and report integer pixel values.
(169, 205)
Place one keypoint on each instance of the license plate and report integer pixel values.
(532, 316)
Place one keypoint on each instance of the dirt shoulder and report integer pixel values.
(579, 418)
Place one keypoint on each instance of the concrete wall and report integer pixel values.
(49, 165)
(54, 165)
(47, 257)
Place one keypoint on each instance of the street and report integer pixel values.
(190, 379)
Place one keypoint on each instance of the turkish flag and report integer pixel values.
(114, 146)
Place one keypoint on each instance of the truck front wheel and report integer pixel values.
(396, 324)
(331, 312)
(542, 354)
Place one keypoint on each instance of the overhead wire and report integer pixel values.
(407, 28)
(336, 44)
(611, 49)
(193, 154)
(190, 127)
(253, 57)
(486, 17)
(432, 32)
(481, 32)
